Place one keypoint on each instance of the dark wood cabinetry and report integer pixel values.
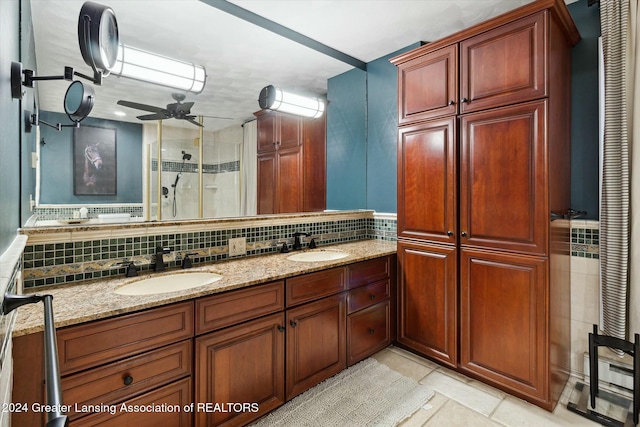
(243, 364)
(428, 300)
(316, 343)
(477, 178)
(291, 163)
(257, 346)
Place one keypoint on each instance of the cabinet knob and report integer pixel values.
(371, 331)
(293, 323)
(128, 380)
(372, 297)
(281, 328)
(463, 234)
(449, 233)
(452, 102)
(464, 100)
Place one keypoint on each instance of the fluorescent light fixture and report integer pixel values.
(149, 67)
(276, 99)
(120, 113)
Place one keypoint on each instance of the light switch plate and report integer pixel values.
(237, 246)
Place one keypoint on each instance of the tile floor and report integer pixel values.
(463, 402)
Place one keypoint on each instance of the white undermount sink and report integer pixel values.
(317, 255)
(168, 283)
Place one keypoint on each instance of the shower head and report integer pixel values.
(186, 156)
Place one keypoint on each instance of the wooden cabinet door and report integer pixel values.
(267, 132)
(314, 169)
(266, 174)
(368, 331)
(503, 319)
(289, 131)
(289, 189)
(427, 181)
(316, 343)
(243, 363)
(505, 65)
(428, 300)
(428, 86)
(503, 179)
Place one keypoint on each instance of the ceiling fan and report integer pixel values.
(178, 110)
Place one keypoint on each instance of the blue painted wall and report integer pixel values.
(584, 110)
(56, 165)
(10, 133)
(346, 141)
(362, 123)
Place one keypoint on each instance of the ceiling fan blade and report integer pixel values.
(219, 117)
(190, 120)
(158, 116)
(143, 107)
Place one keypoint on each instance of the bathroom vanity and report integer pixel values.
(268, 330)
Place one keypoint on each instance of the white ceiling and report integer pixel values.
(241, 58)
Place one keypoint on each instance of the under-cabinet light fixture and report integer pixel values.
(276, 99)
(149, 67)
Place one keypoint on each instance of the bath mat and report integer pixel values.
(366, 394)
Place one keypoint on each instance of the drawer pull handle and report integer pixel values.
(371, 331)
(293, 323)
(449, 233)
(463, 100)
(372, 297)
(128, 380)
(281, 328)
(463, 234)
(452, 102)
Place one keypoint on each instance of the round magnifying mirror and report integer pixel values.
(78, 101)
(98, 36)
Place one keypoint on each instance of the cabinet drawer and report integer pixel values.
(174, 396)
(368, 331)
(94, 343)
(108, 384)
(233, 307)
(316, 285)
(369, 271)
(366, 296)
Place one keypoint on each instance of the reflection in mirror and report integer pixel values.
(200, 172)
(210, 179)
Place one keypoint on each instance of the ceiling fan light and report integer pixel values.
(149, 67)
(276, 99)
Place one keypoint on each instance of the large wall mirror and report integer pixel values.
(110, 164)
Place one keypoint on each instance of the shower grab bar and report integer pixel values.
(55, 418)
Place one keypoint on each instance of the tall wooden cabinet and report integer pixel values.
(291, 163)
(483, 160)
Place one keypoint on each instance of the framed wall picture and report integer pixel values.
(94, 161)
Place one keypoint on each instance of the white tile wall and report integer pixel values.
(585, 307)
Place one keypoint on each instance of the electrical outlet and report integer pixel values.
(237, 246)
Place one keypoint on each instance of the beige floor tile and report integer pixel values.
(469, 396)
(426, 412)
(568, 418)
(453, 414)
(513, 412)
(403, 365)
(414, 357)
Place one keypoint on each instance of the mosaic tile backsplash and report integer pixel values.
(58, 263)
(63, 262)
(585, 240)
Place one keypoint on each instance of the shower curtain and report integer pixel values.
(619, 261)
(249, 188)
(634, 93)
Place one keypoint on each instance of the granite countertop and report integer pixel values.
(83, 302)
